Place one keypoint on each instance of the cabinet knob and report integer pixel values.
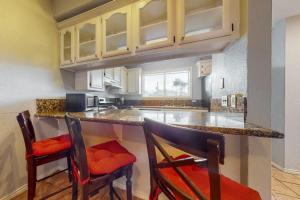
(137, 47)
(182, 38)
(96, 55)
(127, 48)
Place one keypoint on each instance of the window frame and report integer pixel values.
(164, 72)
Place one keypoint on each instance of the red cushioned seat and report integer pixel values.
(107, 157)
(51, 145)
(230, 190)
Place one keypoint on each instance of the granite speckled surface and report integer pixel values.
(225, 123)
(50, 105)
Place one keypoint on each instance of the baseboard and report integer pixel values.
(135, 193)
(15, 193)
(290, 171)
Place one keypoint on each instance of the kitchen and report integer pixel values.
(138, 59)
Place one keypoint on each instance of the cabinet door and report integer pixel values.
(87, 40)
(155, 24)
(96, 79)
(203, 19)
(116, 28)
(117, 75)
(109, 73)
(67, 46)
(123, 80)
(134, 81)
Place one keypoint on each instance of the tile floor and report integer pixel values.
(285, 186)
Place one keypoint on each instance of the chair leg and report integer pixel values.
(85, 192)
(69, 167)
(111, 191)
(128, 183)
(153, 191)
(31, 169)
(74, 190)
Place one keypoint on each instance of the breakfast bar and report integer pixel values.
(225, 123)
(126, 126)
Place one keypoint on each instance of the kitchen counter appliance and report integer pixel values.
(81, 102)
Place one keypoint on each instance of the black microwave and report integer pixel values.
(81, 102)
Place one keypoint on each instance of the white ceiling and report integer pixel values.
(285, 8)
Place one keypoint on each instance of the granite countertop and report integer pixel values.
(172, 107)
(225, 123)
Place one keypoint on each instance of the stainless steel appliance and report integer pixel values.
(80, 102)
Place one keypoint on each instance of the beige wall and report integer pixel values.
(28, 70)
(259, 94)
(292, 94)
(278, 90)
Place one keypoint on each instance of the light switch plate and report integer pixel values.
(233, 101)
(224, 101)
(221, 83)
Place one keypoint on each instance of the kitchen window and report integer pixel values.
(167, 84)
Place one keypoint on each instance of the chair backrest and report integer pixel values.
(207, 145)
(27, 129)
(78, 152)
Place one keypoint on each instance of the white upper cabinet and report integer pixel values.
(203, 19)
(123, 82)
(96, 80)
(87, 40)
(109, 73)
(116, 28)
(117, 75)
(67, 55)
(134, 81)
(154, 26)
(90, 80)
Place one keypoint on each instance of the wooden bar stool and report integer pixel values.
(97, 166)
(41, 152)
(187, 177)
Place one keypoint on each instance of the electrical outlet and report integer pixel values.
(233, 101)
(224, 101)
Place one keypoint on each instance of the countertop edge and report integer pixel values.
(253, 132)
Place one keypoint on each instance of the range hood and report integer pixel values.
(72, 8)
